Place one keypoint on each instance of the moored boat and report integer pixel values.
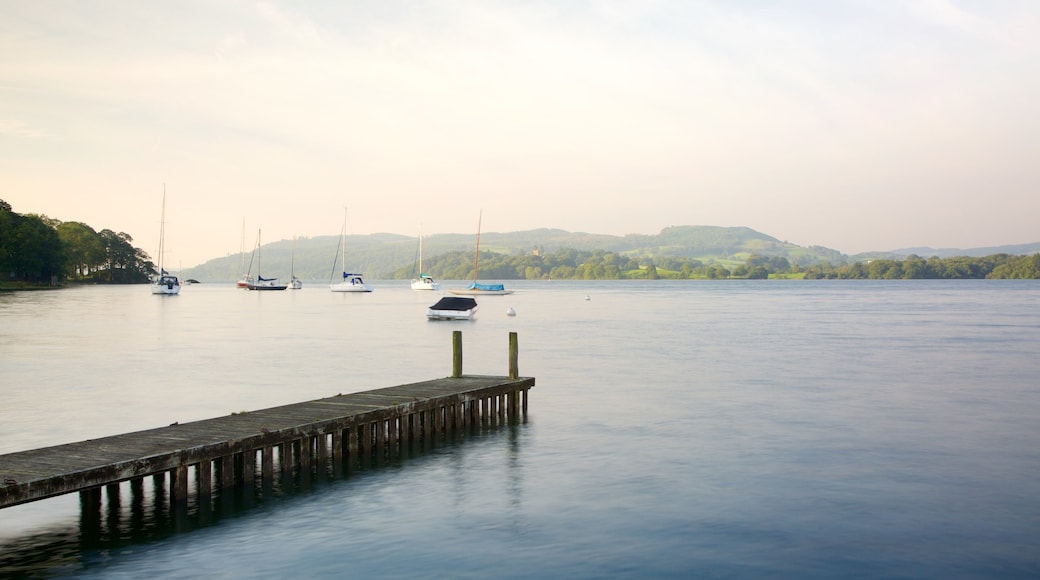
(351, 282)
(424, 281)
(452, 308)
(262, 283)
(476, 288)
(164, 283)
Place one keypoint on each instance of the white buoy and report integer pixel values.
(510, 312)
(587, 297)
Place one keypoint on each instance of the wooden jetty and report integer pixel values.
(222, 452)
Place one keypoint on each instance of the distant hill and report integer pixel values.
(925, 252)
(377, 255)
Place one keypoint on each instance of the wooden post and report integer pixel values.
(179, 486)
(456, 354)
(204, 482)
(248, 474)
(514, 372)
(267, 464)
(227, 471)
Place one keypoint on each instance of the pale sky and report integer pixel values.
(857, 125)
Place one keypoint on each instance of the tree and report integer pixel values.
(758, 273)
(84, 247)
(37, 253)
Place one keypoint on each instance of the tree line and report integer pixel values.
(572, 264)
(36, 249)
(996, 266)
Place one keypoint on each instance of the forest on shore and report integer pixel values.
(39, 251)
(572, 264)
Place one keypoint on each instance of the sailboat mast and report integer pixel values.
(343, 243)
(242, 250)
(162, 229)
(476, 256)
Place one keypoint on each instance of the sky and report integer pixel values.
(858, 125)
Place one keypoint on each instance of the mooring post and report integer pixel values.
(514, 372)
(456, 354)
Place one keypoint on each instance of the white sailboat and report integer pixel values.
(244, 281)
(351, 282)
(476, 288)
(164, 283)
(424, 281)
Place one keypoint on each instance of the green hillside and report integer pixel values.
(378, 256)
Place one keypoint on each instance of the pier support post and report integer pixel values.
(267, 464)
(179, 485)
(90, 514)
(514, 372)
(204, 482)
(227, 471)
(456, 354)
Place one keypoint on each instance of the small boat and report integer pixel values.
(424, 281)
(262, 283)
(165, 283)
(452, 308)
(475, 288)
(350, 282)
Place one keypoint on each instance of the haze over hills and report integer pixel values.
(377, 255)
(925, 252)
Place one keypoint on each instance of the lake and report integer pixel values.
(677, 429)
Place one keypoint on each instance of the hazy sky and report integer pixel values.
(856, 125)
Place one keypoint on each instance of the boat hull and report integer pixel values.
(471, 292)
(345, 288)
(425, 284)
(168, 285)
(450, 314)
(166, 289)
(266, 285)
(449, 308)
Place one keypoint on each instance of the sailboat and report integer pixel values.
(164, 283)
(477, 289)
(262, 283)
(244, 281)
(424, 281)
(351, 282)
(294, 282)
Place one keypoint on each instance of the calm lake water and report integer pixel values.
(677, 429)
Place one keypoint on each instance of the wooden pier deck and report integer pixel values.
(223, 451)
